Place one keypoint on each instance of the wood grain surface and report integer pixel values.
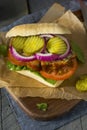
(56, 107)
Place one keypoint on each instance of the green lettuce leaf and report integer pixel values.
(19, 68)
(78, 51)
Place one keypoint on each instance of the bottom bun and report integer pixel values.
(40, 79)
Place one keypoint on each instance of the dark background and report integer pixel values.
(11, 10)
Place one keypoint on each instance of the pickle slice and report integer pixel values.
(56, 45)
(33, 44)
(18, 42)
(81, 84)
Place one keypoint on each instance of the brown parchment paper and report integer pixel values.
(21, 86)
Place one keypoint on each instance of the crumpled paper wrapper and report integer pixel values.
(22, 86)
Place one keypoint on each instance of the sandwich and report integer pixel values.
(42, 52)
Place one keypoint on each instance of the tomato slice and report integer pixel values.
(35, 65)
(63, 76)
(15, 61)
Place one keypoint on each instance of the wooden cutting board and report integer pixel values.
(56, 107)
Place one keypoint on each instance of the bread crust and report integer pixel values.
(36, 29)
(40, 79)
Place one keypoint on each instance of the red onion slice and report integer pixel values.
(20, 57)
(51, 57)
(66, 42)
(46, 57)
(68, 51)
(46, 35)
(43, 55)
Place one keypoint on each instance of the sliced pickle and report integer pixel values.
(33, 44)
(81, 84)
(18, 42)
(56, 45)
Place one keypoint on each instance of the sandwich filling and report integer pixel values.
(49, 56)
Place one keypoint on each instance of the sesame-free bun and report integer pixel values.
(36, 29)
(39, 78)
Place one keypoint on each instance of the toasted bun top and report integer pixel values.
(36, 29)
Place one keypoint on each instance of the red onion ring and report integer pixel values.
(20, 57)
(46, 56)
(50, 56)
(43, 55)
(62, 56)
(46, 35)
